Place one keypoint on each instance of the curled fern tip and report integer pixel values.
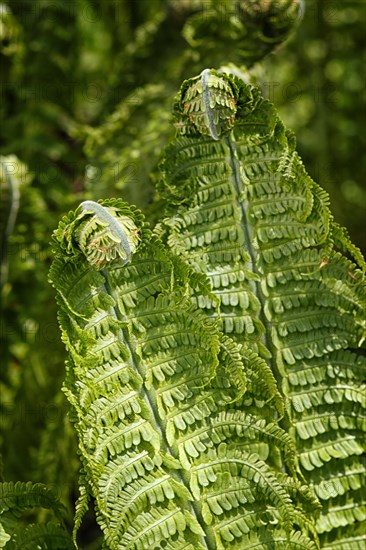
(207, 104)
(107, 235)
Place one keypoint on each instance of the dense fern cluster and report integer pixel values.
(216, 364)
(216, 371)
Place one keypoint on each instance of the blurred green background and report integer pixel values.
(86, 97)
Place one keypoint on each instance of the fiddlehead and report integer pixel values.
(104, 236)
(272, 20)
(209, 103)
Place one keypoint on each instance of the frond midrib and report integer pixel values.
(253, 255)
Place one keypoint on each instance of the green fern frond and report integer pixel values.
(21, 495)
(157, 395)
(286, 282)
(81, 505)
(18, 498)
(48, 536)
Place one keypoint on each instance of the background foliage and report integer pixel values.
(87, 89)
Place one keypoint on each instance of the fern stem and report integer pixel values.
(250, 238)
(14, 202)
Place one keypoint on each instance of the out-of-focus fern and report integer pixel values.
(30, 429)
(9, 186)
(247, 31)
(175, 452)
(288, 281)
(17, 499)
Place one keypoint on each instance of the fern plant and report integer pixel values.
(174, 451)
(282, 273)
(18, 499)
(213, 375)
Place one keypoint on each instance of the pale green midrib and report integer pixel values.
(249, 237)
(209, 111)
(193, 506)
(253, 258)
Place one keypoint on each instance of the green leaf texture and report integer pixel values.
(245, 31)
(177, 451)
(18, 499)
(285, 280)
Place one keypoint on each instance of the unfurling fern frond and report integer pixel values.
(286, 282)
(176, 451)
